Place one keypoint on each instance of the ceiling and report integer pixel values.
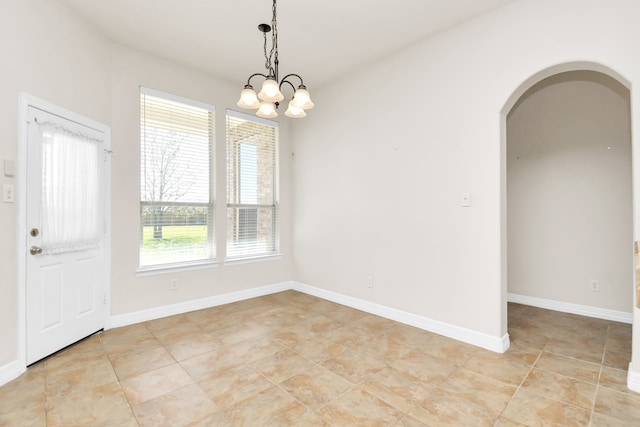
(318, 39)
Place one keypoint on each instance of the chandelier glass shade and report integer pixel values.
(268, 99)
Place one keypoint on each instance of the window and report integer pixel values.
(252, 186)
(176, 173)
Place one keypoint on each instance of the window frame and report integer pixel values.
(179, 265)
(235, 157)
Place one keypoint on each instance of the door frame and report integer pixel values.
(27, 101)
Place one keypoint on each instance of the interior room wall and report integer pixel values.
(569, 192)
(131, 293)
(48, 54)
(381, 166)
(51, 54)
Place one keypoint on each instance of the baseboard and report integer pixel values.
(199, 304)
(583, 310)
(633, 379)
(11, 371)
(489, 342)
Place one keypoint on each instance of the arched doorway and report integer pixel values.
(508, 107)
(569, 210)
(567, 201)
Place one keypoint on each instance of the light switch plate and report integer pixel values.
(9, 167)
(465, 200)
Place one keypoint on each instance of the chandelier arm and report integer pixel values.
(288, 82)
(253, 75)
(293, 75)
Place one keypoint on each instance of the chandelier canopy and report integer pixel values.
(270, 95)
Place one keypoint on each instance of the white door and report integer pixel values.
(65, 219)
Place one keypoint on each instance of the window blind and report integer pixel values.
(252, 186)
(177, 179)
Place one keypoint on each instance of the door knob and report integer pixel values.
(35, 250)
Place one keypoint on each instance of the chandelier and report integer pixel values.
(270, 95)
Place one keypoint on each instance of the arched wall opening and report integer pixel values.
(566, 192)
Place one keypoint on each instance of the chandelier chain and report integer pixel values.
(274, 43)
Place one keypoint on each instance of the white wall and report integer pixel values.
(380, 167)
(51, 55)
(569, 192)
(129, 292)
(48, 54)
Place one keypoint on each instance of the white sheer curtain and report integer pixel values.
(71, 202)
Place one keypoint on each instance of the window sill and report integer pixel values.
(175, 268)
(247, 260)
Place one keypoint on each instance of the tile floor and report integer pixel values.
(290, 359)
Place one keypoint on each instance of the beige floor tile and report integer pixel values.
(217, 321)
(319, 323)
(234, 386)
(319, 349)
(193, 345)
(511, 367)
(620, 330)
(409, 421)
(617, 404)
(600, 420)
(617, 359)
(270, 408)
(282, 365)
(344, 314)
(264, 361)
(64, 383)
(236, 334)
(126, 337)
(256, 349)
(152, 384)
(450, 408)
(346, 336)
(534, 410)
(614, 378)
(359, 408)
(526, 338)
(486, 392)
(620, 342)
(506, 422)
(292, 336)
(558, 387)
(423, 367)
(181, 407)
(28, 388)
(177, 332)
(354, 366)
(447, 349)
(372, 325)
(399, 390)
(137, 359)
(316, 387)
(213, 363)
(87, 351)
(311, 419)
(589, 353)
(21, 411)
(100, 406)
(569, 367)
(406, 335)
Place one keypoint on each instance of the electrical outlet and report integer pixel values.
(369, 282)
(174, 284)
(8, 194)
(595, 285)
